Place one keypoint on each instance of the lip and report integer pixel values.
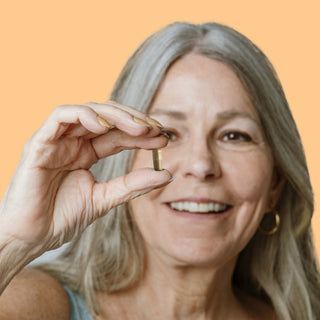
(199, 200)
(198, 216)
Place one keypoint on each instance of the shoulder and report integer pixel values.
(33, 294)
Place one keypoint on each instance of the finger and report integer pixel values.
(136, 113)
(117, 114)
(125, 188)
(77, 130)
(115, 141)
(63, 117)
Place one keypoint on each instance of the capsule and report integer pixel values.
(157, 159)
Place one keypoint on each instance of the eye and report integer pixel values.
(172, 136)
(236, 137)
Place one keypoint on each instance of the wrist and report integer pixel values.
(14, 256)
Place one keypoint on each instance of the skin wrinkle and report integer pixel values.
(61, 127)
(108, 193)
(87, 162)
(226, 115)
(184, 297)
(94, 151)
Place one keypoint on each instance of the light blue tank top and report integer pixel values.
(78, 307)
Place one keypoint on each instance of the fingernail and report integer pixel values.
(166, 183)
(140, 121)
(172, 178)
(140, 193)
(165, 135)
(104, 122)
(155, 122)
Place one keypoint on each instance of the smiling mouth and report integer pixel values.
(195, 207)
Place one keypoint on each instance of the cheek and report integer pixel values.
(248, 176)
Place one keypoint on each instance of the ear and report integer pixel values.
(277, 184)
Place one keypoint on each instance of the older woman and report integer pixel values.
(227, 237)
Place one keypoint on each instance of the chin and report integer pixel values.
(200, 254)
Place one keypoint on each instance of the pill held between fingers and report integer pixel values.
(157, 159)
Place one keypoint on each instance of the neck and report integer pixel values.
(187, 292)
(171, 291)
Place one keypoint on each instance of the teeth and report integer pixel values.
(198, 207)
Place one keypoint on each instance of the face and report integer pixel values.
(223, 167)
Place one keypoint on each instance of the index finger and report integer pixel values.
(116, 114)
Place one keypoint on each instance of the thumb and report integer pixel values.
(122, 189)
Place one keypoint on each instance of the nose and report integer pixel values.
(201, 162)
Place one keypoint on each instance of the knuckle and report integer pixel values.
(27, 146)
(57, 111)
(90, 103)
(60, 107)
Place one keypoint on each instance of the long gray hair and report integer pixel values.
(280, 269)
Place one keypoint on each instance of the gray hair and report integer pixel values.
(280, 269)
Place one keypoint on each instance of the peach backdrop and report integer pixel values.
(61, 52)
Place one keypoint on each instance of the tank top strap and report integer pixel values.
(78, 307)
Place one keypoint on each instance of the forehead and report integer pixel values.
(196, 82)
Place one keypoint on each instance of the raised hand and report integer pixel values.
(53, 196)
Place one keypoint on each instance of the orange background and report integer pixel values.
(64, 52)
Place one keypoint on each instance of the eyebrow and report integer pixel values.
(228, 115)
(224, 115)
(170, 113)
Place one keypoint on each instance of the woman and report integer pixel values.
(205, 245)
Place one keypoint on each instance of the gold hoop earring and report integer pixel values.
(275, 228)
